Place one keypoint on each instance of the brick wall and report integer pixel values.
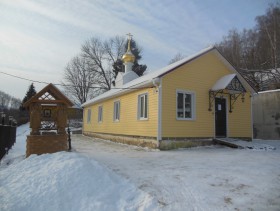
(132, 140)
(41, 144)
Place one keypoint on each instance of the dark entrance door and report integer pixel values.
(220, 117)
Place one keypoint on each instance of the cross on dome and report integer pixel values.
(128, 57)
(129, 36)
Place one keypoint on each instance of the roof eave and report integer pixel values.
(123, 91)
(233, 69)
(49, 86)
(189, 60)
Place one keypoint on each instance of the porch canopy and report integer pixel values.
(227, 85)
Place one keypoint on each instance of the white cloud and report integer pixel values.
(32, 52)
(53, 12)
(40, 37)
(106, 18)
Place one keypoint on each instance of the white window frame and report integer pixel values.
(117, 110)
(100, 114)
(88, 116)
(145, 110)
(193, 103)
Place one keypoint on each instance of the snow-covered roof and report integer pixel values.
(145, 80)
(223, 82)
(269, 91)
(77, 106)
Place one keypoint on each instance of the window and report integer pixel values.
(143, 106)
(117, 111)
(100, 111)
(185, 105)
(88, 115)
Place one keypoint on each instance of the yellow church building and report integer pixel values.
(187, 103)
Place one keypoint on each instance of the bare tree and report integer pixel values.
(255, 52)
(80, 79)
(231, 47)
(176, 58)
(15, 103)
(268, 26)
(11, 107)
(4, 100)
(95, 66)
(99, 57)
(104, 58)
(114, 48)
(255, 48)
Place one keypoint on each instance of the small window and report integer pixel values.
(88, 115)
(143, 106)
(185, 105)
(117, 111)
(100, 113)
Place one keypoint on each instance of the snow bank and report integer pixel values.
(67, 181)
(63, 181)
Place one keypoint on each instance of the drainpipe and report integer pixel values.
(252, 114)
(157, 82)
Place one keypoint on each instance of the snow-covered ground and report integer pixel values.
(202, 178)
(64, 181)
(101, 175)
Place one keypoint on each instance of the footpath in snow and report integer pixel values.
(101, 175)
(202, 178)
(64, 181)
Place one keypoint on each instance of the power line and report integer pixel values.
(24, 78)
(64, 85)
(42, 82)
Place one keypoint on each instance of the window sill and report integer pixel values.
(185, 119)
(143, 119)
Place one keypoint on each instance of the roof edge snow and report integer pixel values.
(147, 80)
(269, 91)
(223, 82)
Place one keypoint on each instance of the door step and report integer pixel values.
(240, 144)
(233, 143)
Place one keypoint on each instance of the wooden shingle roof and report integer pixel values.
(49, 95)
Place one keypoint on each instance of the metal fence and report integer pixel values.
(7, 134)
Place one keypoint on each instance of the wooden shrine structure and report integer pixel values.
(48, 120)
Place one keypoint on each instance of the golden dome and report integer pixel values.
(128, 56)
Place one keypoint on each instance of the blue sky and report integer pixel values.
(38, 38)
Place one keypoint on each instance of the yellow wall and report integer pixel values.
(240, 120)
(129, 123)
(199, 76)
